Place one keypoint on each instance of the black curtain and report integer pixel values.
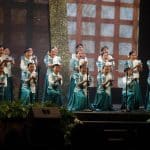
(144, 42)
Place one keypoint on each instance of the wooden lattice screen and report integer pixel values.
(96, 23)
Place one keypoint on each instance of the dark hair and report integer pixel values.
(51, 48)
(27, 49)
(104, 47)
(83, 65)
(78, 45)
(130, 53)
(55, 65)
(6, 48)
(31, 64)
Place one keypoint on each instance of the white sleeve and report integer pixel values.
(50, 79)
(5, 81)
(23, 67)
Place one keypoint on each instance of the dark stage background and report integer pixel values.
(144, 41)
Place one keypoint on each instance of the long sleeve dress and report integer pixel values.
(3, 86)
(128, 93)
(48, 60)
(102, 101)
(28, 88)
(54, 91)
(78, 100)
(148, 88)
(136, 75)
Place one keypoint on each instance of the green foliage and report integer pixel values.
(67, 123)
(17, 110)
(13, 110)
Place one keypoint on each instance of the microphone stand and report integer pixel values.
(126, 96)
(87, 96)
(126, 91)
(38, 84)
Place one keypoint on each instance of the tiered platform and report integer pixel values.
(114, 129)
(110, 130)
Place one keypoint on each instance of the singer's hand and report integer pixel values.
(111, 80)
(59, 79)
(50, 65)
(111, 60)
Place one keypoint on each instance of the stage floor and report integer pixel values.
(112, 129)
(115, 115)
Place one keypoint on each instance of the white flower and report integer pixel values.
(77, 121)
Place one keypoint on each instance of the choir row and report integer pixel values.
(79, 79)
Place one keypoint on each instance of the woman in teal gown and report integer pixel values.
(128, 92)
(78, 101)
(74, 67)
(9, 62)
(54, 91)
(29, 84)
(102, 100)
(3, 84)
(49, 60)
(148, 88)
(135, 64)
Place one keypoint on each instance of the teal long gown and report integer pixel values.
(128, 93)
(102, 101)
(148, 89)
(78, 100)
(54, 92)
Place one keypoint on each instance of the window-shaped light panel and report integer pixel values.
(71, 9)
(121, 64)
(72, 45)
(89, 46)
(108, 0)
(108, 12)
(125, 31)
(71, 27)
(124, 48)
(88, 10)
(127, 1)
(91, 63)
(126, 13)
(88, 28)
(107, 30)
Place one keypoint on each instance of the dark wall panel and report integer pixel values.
(25, 23)
(144, 41)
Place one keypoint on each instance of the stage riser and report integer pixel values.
(112, 130)
(97, 135)
(113, 116)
